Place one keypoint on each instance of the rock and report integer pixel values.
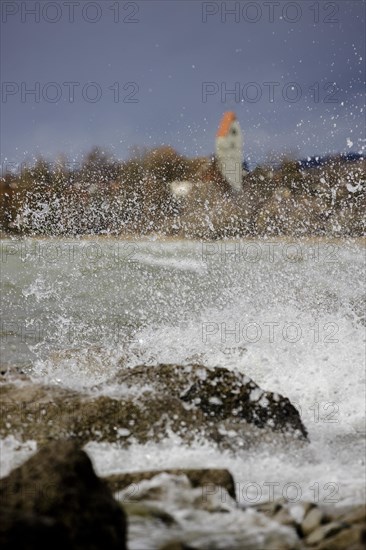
(350, 514)
(276, 542)
(30, 532)
(353, 533)
(284, 517)
(220, 394)
(322, 528)
(299, 510)
(179, 492)
(356, 515)
(324, 531)
(270, 508)
(56, 496)
(201, 522)
(312, 520)
(197, 477)
(148, 511)
(351, 538)
(44, 413)
(175, 545)
(225, 407)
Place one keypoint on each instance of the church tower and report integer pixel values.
(229, 150)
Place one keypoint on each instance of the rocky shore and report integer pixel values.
(227, 408)
(56, 500)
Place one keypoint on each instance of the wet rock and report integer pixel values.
(356, 515)
(277, 542)
(207, 478)
(351, 532)
(299, 510)
(312, 521)
(58, 500)
(148, 511)
(29, 532)
(284, 517)
(324, 531)
(178, 490)
(350, 514)
(201, 520)
(284, 512)
(270, 508)
(220, 394)
(320, 527)
(44, 413)
(351, 538)
(225, 407)
(176, 545)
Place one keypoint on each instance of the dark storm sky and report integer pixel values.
(309, 56)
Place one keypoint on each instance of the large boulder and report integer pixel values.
(225, 407)
(55, 500)
(225, 396)
(44, 413)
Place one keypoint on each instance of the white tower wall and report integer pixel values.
(229, 153)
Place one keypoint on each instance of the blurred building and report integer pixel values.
(229, 150)
(226, 168)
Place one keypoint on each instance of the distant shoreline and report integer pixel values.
(173, 238)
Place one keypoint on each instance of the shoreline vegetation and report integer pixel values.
(141, 198)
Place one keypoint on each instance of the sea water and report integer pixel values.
(291, 315)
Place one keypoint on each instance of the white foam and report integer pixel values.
(178, 317)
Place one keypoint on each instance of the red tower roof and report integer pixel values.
(226, 121)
